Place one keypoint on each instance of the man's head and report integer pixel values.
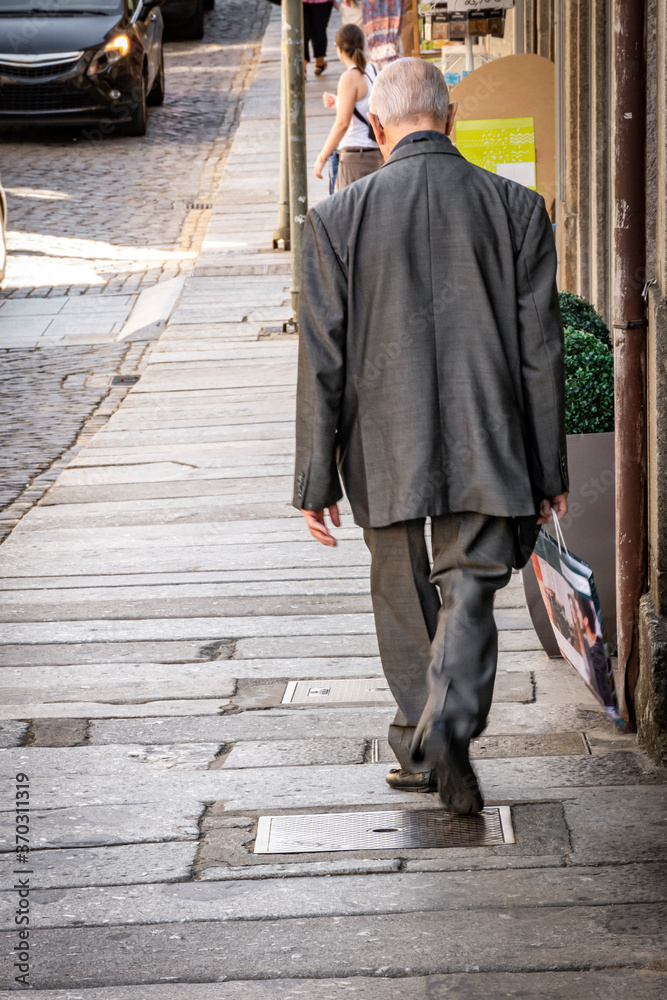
(409, 95)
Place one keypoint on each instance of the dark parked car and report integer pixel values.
(80, 61)
(184, 19)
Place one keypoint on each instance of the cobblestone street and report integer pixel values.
(92, 215)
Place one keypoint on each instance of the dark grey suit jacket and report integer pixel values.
(431, 345)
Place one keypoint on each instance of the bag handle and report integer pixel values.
(559, 533)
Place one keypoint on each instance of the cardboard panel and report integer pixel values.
(521, 86)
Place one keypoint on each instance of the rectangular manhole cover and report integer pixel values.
(379, 831)
(531, 745)
(352, 691)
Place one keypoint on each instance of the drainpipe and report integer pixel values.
(298, 183)
(629, 246)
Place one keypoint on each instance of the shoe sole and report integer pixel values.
(413, 788)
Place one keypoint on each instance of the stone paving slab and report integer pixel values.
(130, 864)
(600, 829)
(276, 724)
(221, 508)
(55, 654)
(274, 530)
(358, 645)
(287, 753)
(115, 682)
(226, 453)
(75, 595)
(613, 984)
(223, 432)
(516, 939)
(93, 824)
(77, 709)
(221, 575)
(557, 686)
(328, 723)
(160, 557)
(269, 899)
(186, 628)
(156, 472)
(147, 492)
(183, 607)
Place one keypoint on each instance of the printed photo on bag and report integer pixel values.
(570, 598)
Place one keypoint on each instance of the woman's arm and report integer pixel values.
(347, 97)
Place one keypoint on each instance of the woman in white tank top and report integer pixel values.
(351, 134)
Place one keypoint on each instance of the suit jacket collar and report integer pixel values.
(444, 145)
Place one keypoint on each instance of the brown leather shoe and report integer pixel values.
(407, 781)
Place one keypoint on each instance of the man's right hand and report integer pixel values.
(558, 504)
(317, 526)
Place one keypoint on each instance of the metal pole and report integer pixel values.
(519, 26)
(470, 56)
(298, 185)
(281, 235)
(629, 194)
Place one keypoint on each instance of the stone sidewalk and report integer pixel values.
(160, 604)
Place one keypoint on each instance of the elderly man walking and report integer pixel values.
(431, 381)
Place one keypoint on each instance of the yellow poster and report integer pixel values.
(505, 146)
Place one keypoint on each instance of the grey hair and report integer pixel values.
(410, 88)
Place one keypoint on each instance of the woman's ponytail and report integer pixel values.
(351, 40)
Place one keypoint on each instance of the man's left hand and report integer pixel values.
(557, 504)
(317, 526)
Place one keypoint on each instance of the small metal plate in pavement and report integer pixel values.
(353, 691)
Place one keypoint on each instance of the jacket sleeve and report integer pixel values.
(541, 348)
(321, 374)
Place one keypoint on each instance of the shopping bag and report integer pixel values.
(567, 586)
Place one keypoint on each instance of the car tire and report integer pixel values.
(194, 28)
(156, 94)
(209, 4)
(138, 121)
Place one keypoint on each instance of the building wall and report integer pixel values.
(578, 35)
(651, 695)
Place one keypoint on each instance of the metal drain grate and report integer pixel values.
(379, 831)
(125, 379)
(352, 691)
(199, 206)
(531, 745)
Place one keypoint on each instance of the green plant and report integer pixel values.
(580, 314)
(589, 384)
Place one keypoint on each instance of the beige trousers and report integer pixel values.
(354, 164)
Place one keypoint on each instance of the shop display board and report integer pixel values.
(505, 146)
(514, 87)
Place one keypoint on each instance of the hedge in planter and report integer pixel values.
(580, 314)
(589, 383)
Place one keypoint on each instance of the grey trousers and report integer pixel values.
(437, 636)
